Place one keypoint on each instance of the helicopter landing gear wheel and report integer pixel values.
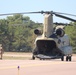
(33, 58)
(42, 59)
(62, 58)
(68, 58)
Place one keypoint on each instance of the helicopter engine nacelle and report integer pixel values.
(60, 32)
(37, 32)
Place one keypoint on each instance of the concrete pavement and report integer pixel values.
(38, 67)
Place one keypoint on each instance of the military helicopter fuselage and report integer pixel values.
(52, 43)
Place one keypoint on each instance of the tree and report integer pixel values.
(3, 32)
(17, 33)
(71, 31)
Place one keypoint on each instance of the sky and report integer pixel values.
(16, 6)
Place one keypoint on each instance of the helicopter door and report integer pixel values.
(46, 46)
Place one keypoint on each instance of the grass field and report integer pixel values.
(16, 55)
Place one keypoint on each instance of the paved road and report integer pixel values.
(37, 67)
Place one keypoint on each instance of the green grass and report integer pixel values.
(16, 56)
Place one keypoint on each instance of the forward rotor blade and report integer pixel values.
(41, 12)
(22, 13)
(65, 17)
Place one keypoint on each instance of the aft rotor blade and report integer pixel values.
(65, 14)
(65, 17)
(56, 23)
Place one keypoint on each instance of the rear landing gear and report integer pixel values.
(62, 58)
(68, 58)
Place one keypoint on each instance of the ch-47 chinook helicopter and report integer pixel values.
(53, 43)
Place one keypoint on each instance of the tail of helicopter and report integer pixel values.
(47, 48)
(52, 48)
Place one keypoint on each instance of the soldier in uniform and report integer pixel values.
(1, 50)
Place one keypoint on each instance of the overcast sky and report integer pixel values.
(12, 6)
